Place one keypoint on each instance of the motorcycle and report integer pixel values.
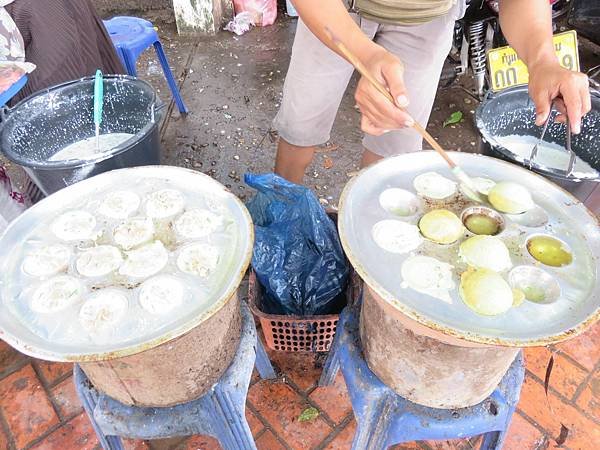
(584, 17)
(476, 33)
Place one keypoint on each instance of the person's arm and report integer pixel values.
(527, 25)
(378, 114)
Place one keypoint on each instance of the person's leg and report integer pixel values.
(314, 85)
(368, 158)
(422, 49)
(291, 161)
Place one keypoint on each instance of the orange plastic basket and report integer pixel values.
(299, 333)
(292, 333)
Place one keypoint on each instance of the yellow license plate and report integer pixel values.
(507, 70)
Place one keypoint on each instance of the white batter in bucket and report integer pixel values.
(89, 149)
(549, 155)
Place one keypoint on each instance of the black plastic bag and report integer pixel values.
(298, 258)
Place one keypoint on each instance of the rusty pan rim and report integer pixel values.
(171, 334)
(445, 329)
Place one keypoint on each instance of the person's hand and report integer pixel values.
(379, 115)
(569, 90)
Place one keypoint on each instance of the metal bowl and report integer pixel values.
(531, 324)
(512, 113)
(19, 335)
(46, 122)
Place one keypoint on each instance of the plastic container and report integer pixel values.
(292, 333)
(44, 123)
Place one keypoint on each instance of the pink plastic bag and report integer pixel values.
(263, 11)
(12, 203)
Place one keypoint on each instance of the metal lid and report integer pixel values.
(530, 324)
(14, 283)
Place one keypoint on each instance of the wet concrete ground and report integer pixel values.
(233, 85)
(233, 88)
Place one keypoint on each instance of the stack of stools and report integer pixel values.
(219, 413)
(384, 418)
(131, 36)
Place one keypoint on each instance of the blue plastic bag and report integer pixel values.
(298, 258)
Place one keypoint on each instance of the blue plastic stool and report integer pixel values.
(219, 413)
(131, 36)
(384, 418)
(12, 90)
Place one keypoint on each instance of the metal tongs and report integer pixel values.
(534, 150)
(572, 157)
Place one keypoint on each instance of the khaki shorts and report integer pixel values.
(317, 79)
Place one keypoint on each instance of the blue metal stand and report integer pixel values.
(385, 418)
(219, 413)
(131, 36)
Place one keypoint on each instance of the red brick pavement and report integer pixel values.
(40, 410)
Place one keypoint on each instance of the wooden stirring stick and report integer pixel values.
(358, 65)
